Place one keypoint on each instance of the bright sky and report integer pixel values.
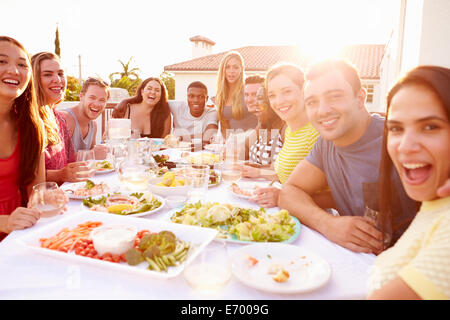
(156, 33)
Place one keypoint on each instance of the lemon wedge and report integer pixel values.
(119, 208)
(168, 178)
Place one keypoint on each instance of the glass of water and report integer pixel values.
(87, 156)
(48, 198)
(196, 179)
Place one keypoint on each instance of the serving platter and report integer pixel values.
(196, 236)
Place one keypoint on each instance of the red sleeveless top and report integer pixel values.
(10, 197)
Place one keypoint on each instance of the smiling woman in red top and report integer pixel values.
(21, 141)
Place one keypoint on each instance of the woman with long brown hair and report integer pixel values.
(50, 84)
(416, 143)
(21, 141)
(148, 109)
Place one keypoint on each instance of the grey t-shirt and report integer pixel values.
(352, 168)
(248, 120)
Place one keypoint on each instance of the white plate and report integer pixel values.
(198, 237)
(142, 214)
(246, 186)
(307, 271)
(75, 185)
(103, 171)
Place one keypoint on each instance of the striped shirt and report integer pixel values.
(296, 147)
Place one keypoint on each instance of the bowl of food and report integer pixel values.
(169, 184)
(115, 239)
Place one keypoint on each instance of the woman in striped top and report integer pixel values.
(285, 93)
(284, 83)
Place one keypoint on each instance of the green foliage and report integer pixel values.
(126, 83)
(129, 78)
(169, 81)
(73, 89)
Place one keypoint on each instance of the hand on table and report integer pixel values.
(358, 234)
(76, 172)
(22, 218)
(266, 197)
(249, 171)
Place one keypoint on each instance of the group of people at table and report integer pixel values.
(310, 131)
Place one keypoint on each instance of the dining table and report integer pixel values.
(30, 274)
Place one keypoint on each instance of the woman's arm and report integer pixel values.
(396, 289)
(40, 175)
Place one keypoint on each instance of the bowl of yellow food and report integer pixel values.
(169, 184)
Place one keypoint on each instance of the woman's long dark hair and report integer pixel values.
(31, 136)
(436, 79)
(159, 114)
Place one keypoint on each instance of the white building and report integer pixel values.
(421, 36)
(204, 65)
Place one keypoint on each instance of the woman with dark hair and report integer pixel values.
(148, 109)
(50, 83)
(416, 143)
(21, 141)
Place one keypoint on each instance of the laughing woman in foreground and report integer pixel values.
(416, 143)
(21, 139)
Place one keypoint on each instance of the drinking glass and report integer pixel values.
(231, 171)
(211, 269)
(134, 176)
(48, 198)
(376, 217)
(197, 179)
(87, 156)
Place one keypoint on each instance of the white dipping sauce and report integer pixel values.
(113, 239)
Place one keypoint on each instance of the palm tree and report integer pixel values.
(127, 72)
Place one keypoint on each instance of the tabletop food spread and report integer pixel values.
(115, 237)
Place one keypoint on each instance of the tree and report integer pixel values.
(169, 81)
(129, 78)
(127, 71)
(57, 47)
(73, 89)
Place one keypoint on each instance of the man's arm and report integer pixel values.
(210, 130)
(304, 181)
(354, 233)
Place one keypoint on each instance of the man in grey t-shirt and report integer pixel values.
(193, 119)
(345, 158)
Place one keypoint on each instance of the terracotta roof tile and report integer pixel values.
(366, 58)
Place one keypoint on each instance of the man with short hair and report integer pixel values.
(346, 158)
(251, 87)
(192, 119)
(81, 118)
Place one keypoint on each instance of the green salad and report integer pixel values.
(244, 224)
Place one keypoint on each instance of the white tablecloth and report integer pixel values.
(30, 275)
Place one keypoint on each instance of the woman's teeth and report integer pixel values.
(11, 81)
(412, 166)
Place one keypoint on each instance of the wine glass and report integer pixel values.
(48, 198)
(87, 156)
(211, 269)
